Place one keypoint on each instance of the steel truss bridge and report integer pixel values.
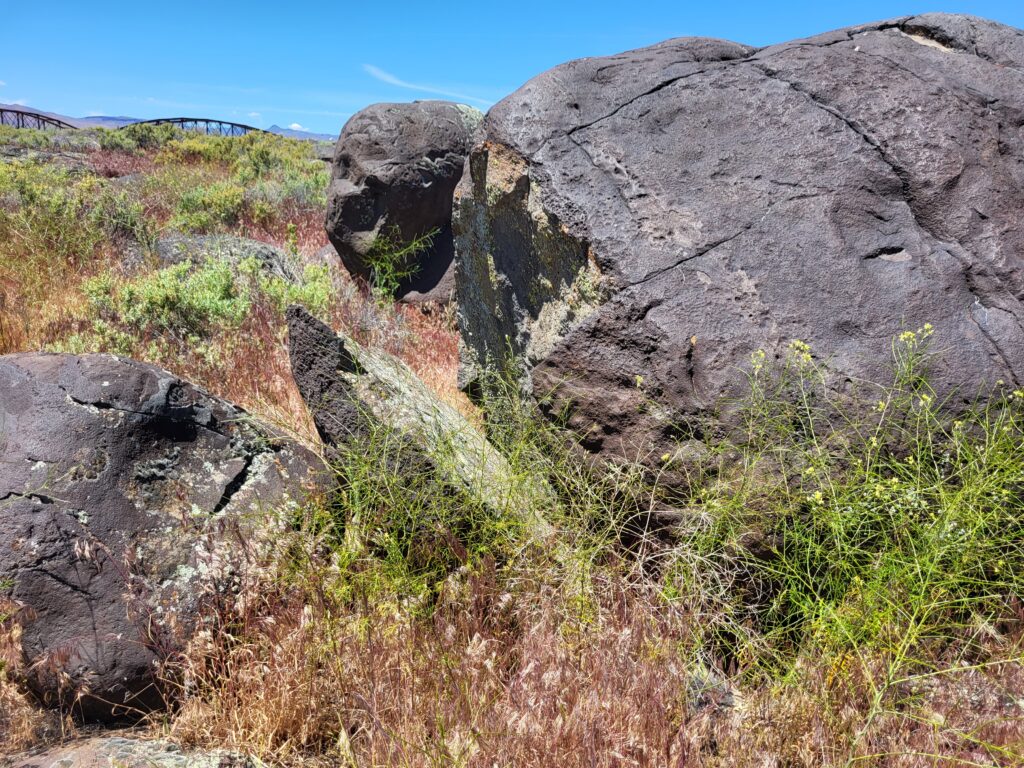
(23, 118)
(202, 125)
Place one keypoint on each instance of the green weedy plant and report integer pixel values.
(391, 262)
(122, 215)
(181, 300)
(881, 542)
(188, 304)
(313, 290)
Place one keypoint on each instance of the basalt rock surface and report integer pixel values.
(394, 173)
(128, 752)
(634, 227)
(127, 497)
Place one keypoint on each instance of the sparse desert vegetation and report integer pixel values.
(80, 270)
(793, 564)
(822, 590)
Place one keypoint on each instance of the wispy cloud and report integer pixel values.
(296, 127)
(2, 83)
(254, 115)
(20, 102)
(386, 77)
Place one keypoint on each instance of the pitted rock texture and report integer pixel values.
(198, 249)
(660, 215)
(127, 752)
(127, 496)
(394, 172)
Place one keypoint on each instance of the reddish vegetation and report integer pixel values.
(114, 163)
(301, 227)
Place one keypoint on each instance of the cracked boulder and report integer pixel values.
(127, 498)
(394, 172)
(634, 227)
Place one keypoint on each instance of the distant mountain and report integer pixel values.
(104, 121)
(291, 133)
(108, 121)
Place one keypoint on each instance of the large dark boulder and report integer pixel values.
(634, 227)
(394, 172)
(127, 497)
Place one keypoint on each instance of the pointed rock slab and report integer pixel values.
(127, 496)
(351, 390)
(634, 227)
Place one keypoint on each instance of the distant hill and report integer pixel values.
(109, 121)
(104, 121)
(306, 135)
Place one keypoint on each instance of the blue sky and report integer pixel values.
(316, 63)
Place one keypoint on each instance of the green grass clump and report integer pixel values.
(847, 531)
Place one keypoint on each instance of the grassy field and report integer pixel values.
(835, 584)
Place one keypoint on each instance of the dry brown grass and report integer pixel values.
(302, 228)
(515, 673)
(491, 678)
(22, 724)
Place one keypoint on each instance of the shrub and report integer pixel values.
(180, 299)
(29, 138)
(123, 140)
(204, 208)
(148, 136)
(122, 214)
